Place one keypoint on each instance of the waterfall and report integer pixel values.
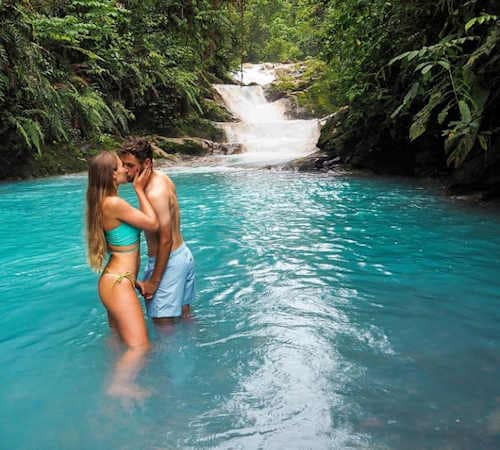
(267, 137)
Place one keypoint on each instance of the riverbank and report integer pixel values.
(181, 141)
(54, 159)
(295, 89)
(341, 145)
(68, 159)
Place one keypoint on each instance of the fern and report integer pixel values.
(30, 130)
(4, 86)
(122, 115)
(79, 68)
(3, 56)
(91, 112)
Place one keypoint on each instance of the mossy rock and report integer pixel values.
(215, 112)
(189, 125)
(183, 146)
(306, 85)
(197, 127)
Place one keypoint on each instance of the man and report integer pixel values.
(168, 285)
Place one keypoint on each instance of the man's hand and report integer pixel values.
(147, 288)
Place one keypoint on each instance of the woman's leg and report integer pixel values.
(126, 314)
(111, 321)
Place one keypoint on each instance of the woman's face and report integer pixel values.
(120, 173)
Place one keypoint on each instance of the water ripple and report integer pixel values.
(331, 313)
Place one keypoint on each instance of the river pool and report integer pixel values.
(331, 312)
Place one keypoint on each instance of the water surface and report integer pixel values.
(331, 312)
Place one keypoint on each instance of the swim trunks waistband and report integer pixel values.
(175, 252)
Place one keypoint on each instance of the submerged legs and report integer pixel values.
(126, 316)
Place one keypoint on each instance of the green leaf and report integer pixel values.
(91, 55)
(480, 20)
(419, 125)
(443, 114)
(483, 141)
(411, 55)
(464, 111)
(445, 64)
(410, 95)
(30, 131)
(417, 129)
(462, 149)
(427, 68)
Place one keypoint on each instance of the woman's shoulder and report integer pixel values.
(112, 202)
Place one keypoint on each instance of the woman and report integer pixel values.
(114, 226)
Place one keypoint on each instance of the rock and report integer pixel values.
(272, 94)
(332, 162)
(216, 110)
(164, 147)
(158, 152)
(313, 162)
(481, 167)
(293, 109)
(226, 149)
(331, 131)
(184, 146)
(480, 173)
(292, 87)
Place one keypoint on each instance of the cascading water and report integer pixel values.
(267, 137)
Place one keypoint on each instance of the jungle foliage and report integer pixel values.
(74, 70)
(417, 76)
(421, 79)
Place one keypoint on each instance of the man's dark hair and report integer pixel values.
(138, 147)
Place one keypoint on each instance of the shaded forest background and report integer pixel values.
(420, 79)
(75, 74)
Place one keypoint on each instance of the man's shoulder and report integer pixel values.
(161, 178)
(161, 185)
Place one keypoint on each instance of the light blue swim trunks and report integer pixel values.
(176, 286)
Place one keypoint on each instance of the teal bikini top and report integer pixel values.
(122, 235)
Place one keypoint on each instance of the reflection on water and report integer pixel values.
(331, 313)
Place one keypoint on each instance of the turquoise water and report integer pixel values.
(331, 313)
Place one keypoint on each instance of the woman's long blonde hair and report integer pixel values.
(100, 185)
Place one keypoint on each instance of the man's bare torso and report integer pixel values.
(161, 185)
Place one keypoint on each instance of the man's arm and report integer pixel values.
(161, 205)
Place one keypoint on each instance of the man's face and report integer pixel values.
(132, 164)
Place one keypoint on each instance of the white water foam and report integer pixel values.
(256, 73)
(267, 137)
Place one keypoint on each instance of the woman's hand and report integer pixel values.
(141, 180)
(147, 288)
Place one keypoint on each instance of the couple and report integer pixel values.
(114, 226)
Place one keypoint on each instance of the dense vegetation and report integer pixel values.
(78, 70)
(421, 79)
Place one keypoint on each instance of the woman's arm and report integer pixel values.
(120, 209)
(116, 208)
